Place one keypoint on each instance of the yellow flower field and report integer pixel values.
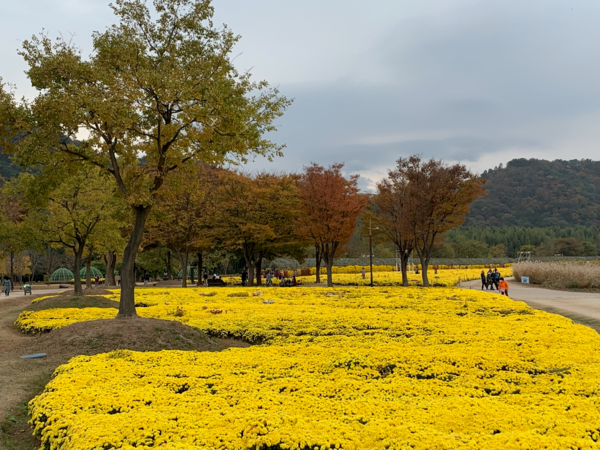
(443, 277)
(351, 368)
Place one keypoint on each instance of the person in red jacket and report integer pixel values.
(503, 286)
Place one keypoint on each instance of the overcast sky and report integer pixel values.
(480, 82)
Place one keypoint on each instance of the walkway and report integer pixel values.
(575, 305)
(18, 292)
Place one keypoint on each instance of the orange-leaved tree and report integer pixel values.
(183, 213)
(388, 211)
(437, 198)
(331, 204)
(256, 216)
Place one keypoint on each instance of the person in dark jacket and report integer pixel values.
(483, 280)
(490, 279)
(496, 278)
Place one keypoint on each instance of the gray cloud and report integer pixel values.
(484, 81)
(463, 80)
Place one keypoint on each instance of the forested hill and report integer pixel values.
(538, 193)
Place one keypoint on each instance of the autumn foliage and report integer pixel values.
(330, 205)
(420, 200)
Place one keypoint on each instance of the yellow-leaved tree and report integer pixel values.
(159, 90)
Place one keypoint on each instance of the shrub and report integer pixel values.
(560, 275)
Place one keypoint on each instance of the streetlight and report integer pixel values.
(371, 249)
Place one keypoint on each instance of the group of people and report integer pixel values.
(280, 275)
(492, 280)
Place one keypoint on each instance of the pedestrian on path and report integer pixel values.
(6, 285)
(496, 278)
(503, 286)
(483, 280)
(490, 279)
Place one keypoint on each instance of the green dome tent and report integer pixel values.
(82, 273)
(61, 275)
(189, 273)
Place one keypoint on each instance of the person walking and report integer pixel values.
(496, 278)
(269, 278)
(363, 273)
(503, 286)
(490, 280)
(6, 285)
(97, 280)
(145, 278)
(244, 277)
(483, 280)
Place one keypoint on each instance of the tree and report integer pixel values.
(438, 196)
(527, 248)
(183, 212)
(79, 213)
(16, 230)
(330, 207)
(256, 216)
(389, 213)
(498, 251)
(158, 90)
(569, 246)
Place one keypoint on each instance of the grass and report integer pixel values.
(560, 275)
(72, 301)
(15, 431)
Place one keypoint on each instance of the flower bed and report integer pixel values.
(443, 277)
(354, 368)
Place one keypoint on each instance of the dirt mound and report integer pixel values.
(21, 379)
(140, 334)
(70, 301)
(92, 291)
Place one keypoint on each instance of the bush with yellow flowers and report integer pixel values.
(351, 368)
(437, 278)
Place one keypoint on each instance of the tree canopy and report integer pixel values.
(158, 90)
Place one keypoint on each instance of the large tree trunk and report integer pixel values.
(200, 269)
(248, 252)
(169, 266)
(329, 263)
(251, 273)
(259, 272)
(88, 271)
(76, 269)
(12, 270)
(191, 273)
(127, 301)
(318, 263)
(111, 261)
(404, 267)
(183, 261)
(424, 267)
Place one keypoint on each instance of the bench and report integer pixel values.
(217, 282)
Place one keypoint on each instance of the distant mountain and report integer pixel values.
(538, 193)
(7, 170)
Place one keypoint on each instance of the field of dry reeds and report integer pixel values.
(560, 275)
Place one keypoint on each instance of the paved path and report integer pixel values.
(18, 292)
(586, 304)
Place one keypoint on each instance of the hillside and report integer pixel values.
(538, 193)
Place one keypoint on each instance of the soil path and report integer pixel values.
(567, 303)
(14, 344)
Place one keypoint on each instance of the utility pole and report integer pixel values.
(371, 249)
